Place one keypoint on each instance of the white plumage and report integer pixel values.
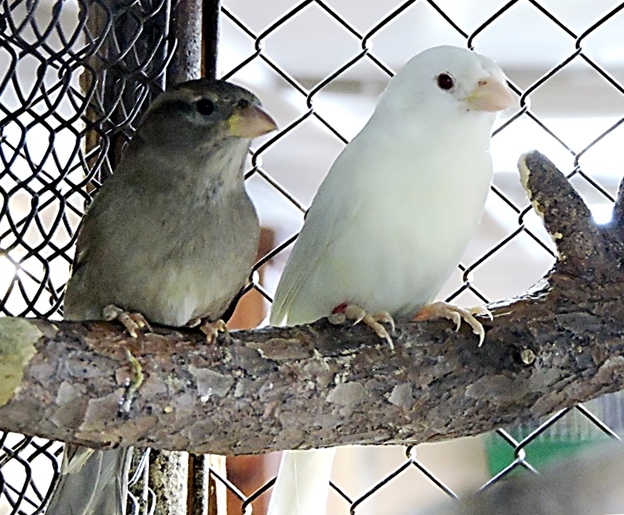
(393, 216)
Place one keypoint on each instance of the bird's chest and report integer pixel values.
(404, 244)
(194, 263)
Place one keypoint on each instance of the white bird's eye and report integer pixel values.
(445, 81)
(205, 107)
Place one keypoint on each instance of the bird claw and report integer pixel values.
(481, 311)
(212, 329)
(455, 314)
(372, 320)
(133, 322)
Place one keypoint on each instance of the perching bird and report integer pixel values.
(392, 219)
(172, 236)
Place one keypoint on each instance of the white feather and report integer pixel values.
(391, 220)
(296, 469)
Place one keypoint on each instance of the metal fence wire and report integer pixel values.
(75, 74)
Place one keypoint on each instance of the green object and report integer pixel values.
(566, 437)
(17, 347)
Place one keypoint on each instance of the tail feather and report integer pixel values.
(302, 483)
(98, 487)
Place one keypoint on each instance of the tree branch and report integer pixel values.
(322, 385)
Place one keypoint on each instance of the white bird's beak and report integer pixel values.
(490, 94)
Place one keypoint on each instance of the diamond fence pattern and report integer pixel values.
(74, 76)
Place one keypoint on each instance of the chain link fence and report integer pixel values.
(74, 76)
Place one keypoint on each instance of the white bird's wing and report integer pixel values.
(331, 213)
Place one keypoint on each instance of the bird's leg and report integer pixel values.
(346, 311)
(456, 314)
(212, 329)
(131, 321)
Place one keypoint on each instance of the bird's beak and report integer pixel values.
(250, 122)
(490, 94)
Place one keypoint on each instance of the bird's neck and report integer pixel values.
(199, 171)
(426, 126)
(223, 164)
(413, 138)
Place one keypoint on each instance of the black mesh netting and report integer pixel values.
(74, 75)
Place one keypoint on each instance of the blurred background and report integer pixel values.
(318, 67)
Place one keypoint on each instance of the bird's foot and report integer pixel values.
(212, 329)
(355, 313)
(456, 314)
(194, 322)
(133, 322)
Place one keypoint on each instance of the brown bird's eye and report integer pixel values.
(205, 106)
(445, 81)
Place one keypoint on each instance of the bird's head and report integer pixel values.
(445, 80)
(204, 112)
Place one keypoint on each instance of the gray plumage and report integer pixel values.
(171, 235)
(97, 485)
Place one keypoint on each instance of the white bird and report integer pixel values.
(391, 220)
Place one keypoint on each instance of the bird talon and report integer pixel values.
(385, 317)
(455, 314)
(212, 329)
(194, 322)
(480, 332)
(379, 329)
(481, 311)
(354, 313)
(132, 322)
(457, 318)
(337, 318)
(110, 312)
(357, 314)
(140, 321)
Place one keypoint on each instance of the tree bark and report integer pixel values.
(321, 384)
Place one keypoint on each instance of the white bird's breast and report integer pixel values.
(407, 241)
(400, 230)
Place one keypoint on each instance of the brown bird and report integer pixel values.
(170, 238)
